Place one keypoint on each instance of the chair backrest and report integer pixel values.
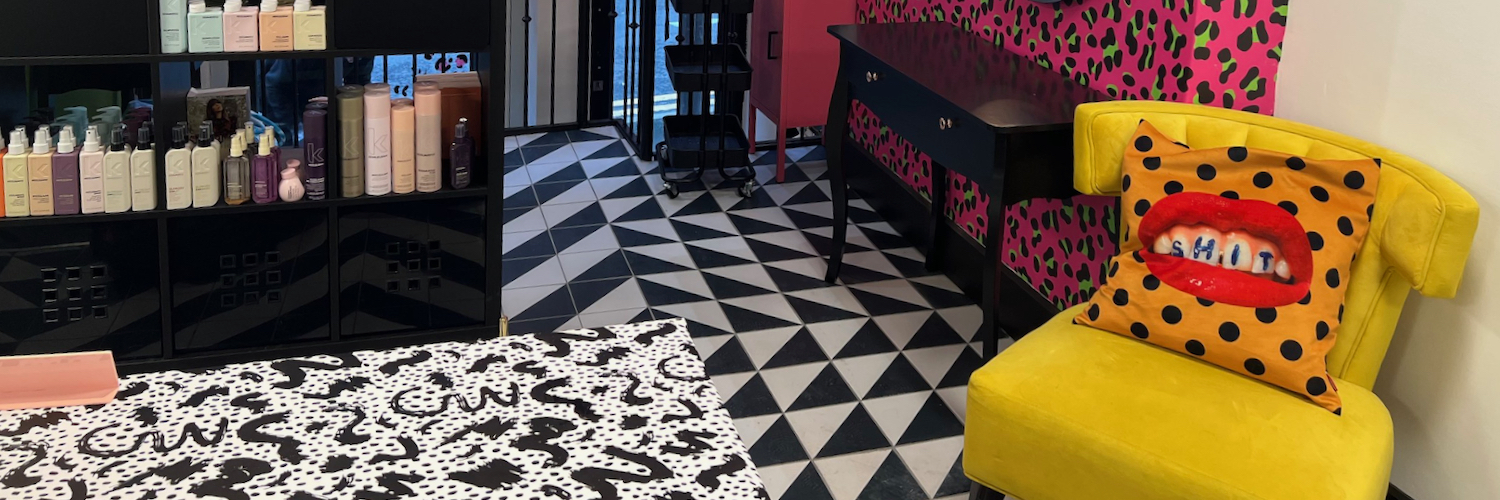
(1420, 238)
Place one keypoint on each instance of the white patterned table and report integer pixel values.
(619, 412)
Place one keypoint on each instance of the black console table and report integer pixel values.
(1000, 119)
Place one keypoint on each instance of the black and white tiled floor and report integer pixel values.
(846, 392)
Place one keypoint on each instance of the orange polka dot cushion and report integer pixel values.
(1237, 256)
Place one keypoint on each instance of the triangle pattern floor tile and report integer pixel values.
(955, 482)
(899, 378)
(935, 362)
(655, 259)
(693, 232)
(790, 276)
(956, 398)
(704, 204)
(787, 383)
(934, 332)
(727, 288)
(585, 136)
(931, 462)
(848, 475)
(753, 399)
(868, 339)
(900, 328)
(706, 258)
(826, 304)
(707, 347)
(958, 375)
(934, 421)
(893, 414)
(809, 485)
(857, 433)
(777, 445)
(862, 372)
(815, 425)
(705, 317)
(828, 388)
(584, 239)
(748, 314)
(832, 336)
(941, 297)
(964, 320)
(809, 194)
(613, 150)
(661, 295)
(530, 244)
(800, 348)
(610, 167)
(762, 345)
(892, 481)
(632, 238)
(649, 210)
(730, 358)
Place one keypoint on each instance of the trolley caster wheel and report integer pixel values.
(746, 190)
(673, 192)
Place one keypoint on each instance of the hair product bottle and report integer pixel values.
(291, 184)
(17, 201)
(429, 137)
(65, 173)
(241, 27)
(91, 173)
(117, 172)
(311, 29)
(263, 172)
(205, 28)
(237, 172)
(315, 151)
(40, 176)
(143, 171)
(377, 139)
(352, 137)
(403, 147)
(173, 26)
(275, 27)
(461, 155)
(179, 170)
(206, 171)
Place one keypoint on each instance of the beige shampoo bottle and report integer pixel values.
(40, 176)
(310, 26)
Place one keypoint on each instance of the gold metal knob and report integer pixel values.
(871, 77)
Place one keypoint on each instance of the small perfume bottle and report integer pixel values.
(117, 172)
(65, 174)
(143, 171)
(237, 172)
(263, 174)
(461, 155)
(91, 173)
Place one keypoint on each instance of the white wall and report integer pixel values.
(1422, 77)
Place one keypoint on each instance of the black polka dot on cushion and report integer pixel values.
(1290, 207)
(1316, 386)
(1266, 315)
(1262, 180)
(1125, 183)
(1291, 350)
(1306, 299)
(1151, 163)
(1094, 312)
(1341, 313)
(1255, 367)
(1207, 172)
(1238, 154)
(1143, 144)
(1354, 180)
(1230, 194)
(1139, 330)
(1370, 211)
(1172, 187)
(1295, 163)
(1114, 268)
(1195, 348)
(1346, 226)
(1338, 411)
(1205, 302)
(1318, 193)
(1322, 330)
(1150, 282)
(1315, 240)
(1333, 278)
(1138, 258)
(1171, 314)
(1229, 331)
(1141, 207)
(1122, 297)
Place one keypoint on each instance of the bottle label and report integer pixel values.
(317, 188)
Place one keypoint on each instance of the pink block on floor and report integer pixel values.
(52, 380)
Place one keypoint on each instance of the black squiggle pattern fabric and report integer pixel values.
(613, 413)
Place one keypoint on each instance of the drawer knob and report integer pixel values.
(871, 77)
(945, 124)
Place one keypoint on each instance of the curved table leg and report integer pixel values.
(834, 134)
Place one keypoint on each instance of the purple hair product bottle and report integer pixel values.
(315, 151)
(65, 174)
(461, 155)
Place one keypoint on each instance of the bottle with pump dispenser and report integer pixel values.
(39, 163)
(263, 173)
(315, 151)
(179, 170)
(275, 27)
(352, 138)
(91, 174)
(429, 142)
(461, 155)
(206, 168)
(17, 200)
(65, 173)
(377, 139)
(237, 172)
(143, 171)
(403, 147)
(205, 28)
(241, 27)
(173, 26)
(117, 172)
(311, 26)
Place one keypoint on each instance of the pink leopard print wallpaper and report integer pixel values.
(1213, 52)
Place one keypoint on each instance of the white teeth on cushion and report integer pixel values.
(1207, 245)
(1163, 245)
(1265, 257)
(1182, 241)
(1237, 253)
(1283, 270)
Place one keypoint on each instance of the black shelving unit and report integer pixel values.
(707, 68)
(174, 289)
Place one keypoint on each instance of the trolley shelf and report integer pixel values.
(693, 142)
(713, 6)
(698, 68)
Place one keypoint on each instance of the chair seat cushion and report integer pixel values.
(1071, 412)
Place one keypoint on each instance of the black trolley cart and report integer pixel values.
(712, 137)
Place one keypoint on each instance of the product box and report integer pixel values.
(463, 97)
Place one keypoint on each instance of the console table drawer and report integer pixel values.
(952, 137)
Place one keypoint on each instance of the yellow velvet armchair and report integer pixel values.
(1073, 413)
